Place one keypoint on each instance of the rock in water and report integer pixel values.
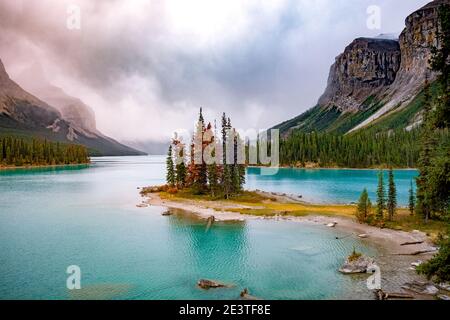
(359, 265)
(208, 284)
(363, 235)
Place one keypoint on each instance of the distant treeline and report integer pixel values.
(396, 148)
(19, 152)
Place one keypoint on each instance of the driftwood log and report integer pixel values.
(410, 243)
(381, 295)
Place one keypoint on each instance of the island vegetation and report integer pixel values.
(219, 176)
(16, 152)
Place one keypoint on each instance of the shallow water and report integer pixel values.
(51, 218)
(329, 185)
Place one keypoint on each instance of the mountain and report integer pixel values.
(376, 82)
(54, 115)
(149, 146)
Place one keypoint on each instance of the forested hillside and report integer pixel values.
(23, 152)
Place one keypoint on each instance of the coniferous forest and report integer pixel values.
(398, 148)
(23, 152)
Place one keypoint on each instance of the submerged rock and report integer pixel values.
(246, 296)
(208, 284)
(357, 265)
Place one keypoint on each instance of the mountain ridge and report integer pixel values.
(24, 114)
(374, 78)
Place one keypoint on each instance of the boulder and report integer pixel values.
(363, 235)
(331, 224)
(444, 286)
(208, 284)
(246, 296)
(416, 263)
(358, 265)
(443, 297)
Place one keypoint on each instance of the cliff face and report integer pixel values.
(366, 66)
(415, 41)
(375, 78)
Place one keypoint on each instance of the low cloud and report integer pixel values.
(146, 67)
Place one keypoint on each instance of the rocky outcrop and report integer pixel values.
(364, 68)
(415, 41)
(375, 77)
(359, 264)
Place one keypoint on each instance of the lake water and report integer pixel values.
(330, 185)
(51, 218)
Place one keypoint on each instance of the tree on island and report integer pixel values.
(170, 174)
(180, 166)
(364, 207)
(381, 203)
(215, 175)
(392, 196)
(412, 200)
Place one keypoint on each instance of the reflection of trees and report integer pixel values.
(217, 252)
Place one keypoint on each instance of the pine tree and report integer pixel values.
(411, 199)
(170, 174)
(180, 168)
(392, 196)
(427, 146)
(433, 189)
(364, 207)
(381, 204)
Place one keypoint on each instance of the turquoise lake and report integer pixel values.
(51, 218)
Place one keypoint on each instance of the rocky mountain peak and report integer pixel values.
(365, 65)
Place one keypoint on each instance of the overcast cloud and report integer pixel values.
(146, 67)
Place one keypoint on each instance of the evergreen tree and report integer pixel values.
(392, 196)
(227, 175)
(427, 146)
(381, 204)
(170, 174)
(412, 201)
(364, 207)
(180, 168)
(433, 184)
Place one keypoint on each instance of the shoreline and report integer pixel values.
(394, 258)
(44, 166)
(391, 239)
(332, 168)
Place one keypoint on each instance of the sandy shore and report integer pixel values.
(391, 240)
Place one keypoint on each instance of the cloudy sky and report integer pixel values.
(146, 67)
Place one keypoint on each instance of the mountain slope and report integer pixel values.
(375, 79)
(23, 114)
